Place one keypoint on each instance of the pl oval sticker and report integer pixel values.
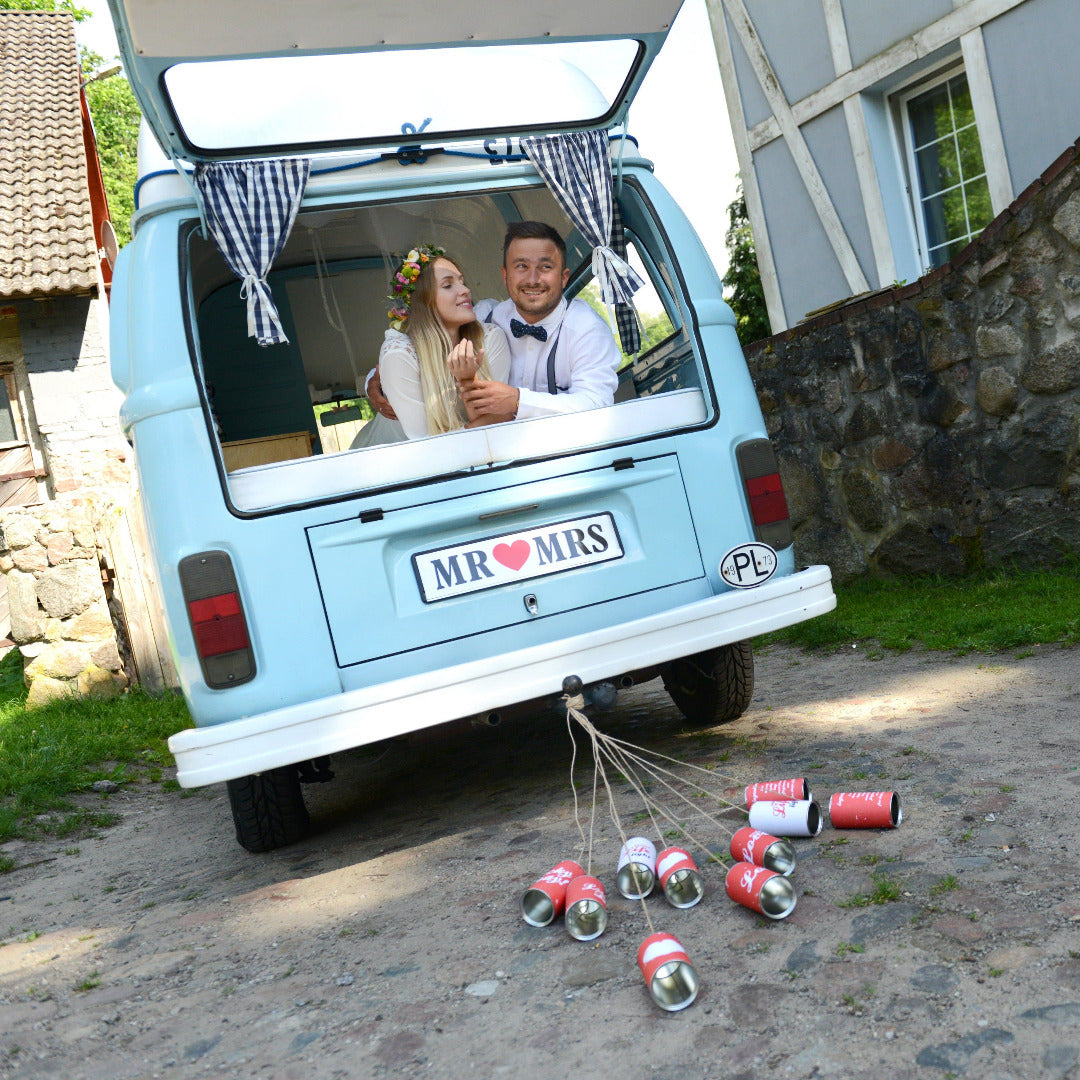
(748, 565)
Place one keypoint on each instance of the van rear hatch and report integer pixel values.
(323, 75)
(437, 571)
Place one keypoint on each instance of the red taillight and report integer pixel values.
(767, 502)
(218, 624)
(764, 493)
(216, 613)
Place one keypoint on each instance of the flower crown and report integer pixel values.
(404, 281)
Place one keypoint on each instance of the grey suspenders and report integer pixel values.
(552, 387)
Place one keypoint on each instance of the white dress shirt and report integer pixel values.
(586, 359)
(399, 370)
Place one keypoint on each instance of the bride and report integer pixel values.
(436, 346)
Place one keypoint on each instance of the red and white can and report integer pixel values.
(544, 902)
(679, 877)
(763, 890)
(798, 788)
(586, 908)
(865, 810)
(669, 975)
(764, 849)
(636, 872)
(786, 817)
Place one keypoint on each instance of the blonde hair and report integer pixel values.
(442, 402)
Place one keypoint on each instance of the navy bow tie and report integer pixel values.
(520, 329)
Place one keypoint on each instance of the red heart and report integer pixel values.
(513, 555)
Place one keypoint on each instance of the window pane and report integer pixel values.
(938, 167)
(971, 159)
(291, 101)
(7, 421)
(930, 115)
(963, 113)
(980, 212)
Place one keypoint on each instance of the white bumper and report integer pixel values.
(312, 729)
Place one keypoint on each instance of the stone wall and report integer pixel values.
(50, 553)
(75, 405)
(60, 617)
(935, 427)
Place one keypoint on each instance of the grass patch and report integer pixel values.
(946, 884)
(990, 612)
(49, 753)
(885, 890)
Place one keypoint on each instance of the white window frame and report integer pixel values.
(915, 89)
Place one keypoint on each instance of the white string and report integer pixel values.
(574, 705)
(322, 274)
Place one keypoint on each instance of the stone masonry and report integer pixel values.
(60, 618)
(935, 427)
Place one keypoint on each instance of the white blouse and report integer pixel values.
(399, 370)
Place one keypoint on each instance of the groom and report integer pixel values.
(563, 356)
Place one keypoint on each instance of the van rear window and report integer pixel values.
(296, 102)
(303, 404)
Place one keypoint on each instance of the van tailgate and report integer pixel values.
(437, 571)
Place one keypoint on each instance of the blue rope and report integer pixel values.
(409, 152)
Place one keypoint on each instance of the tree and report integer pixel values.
(47, 5)
(116, 114)
(746, 296)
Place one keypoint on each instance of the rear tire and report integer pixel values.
(713, 687)
(268, 809)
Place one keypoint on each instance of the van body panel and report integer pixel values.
(649, 515)
(372, 713)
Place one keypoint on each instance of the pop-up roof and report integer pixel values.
(243, 78)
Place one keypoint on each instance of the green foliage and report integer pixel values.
(115, 114)
(79, 14)
(989, 612)
(742, 280)
(53, 751)
(654, 327)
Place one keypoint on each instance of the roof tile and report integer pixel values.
(47, 239)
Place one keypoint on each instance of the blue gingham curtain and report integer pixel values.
(577, 169)
(250, 207)
(626, 316)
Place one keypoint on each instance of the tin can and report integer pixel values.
(679, 877)
(865, 810)
(764, 849)
(786, 817)
(763, 890)
(669, 975)
(636, 873)
(586, 908)
(798, 788)
(544, 902)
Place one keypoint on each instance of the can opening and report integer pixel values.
(585, 920)
(780, 857)
(777, 897)
(674, 986)
(684, 888)
(537, 908)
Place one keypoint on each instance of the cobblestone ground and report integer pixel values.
(389, 942)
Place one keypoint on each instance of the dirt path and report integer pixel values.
(390, 944)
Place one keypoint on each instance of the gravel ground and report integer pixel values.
(389, 943)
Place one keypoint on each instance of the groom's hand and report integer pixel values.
(491, 399)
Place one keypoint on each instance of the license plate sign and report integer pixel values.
(518, 556)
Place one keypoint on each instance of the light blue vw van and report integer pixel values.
(322, 596)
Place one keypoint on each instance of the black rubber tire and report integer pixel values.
(713, 687)
(268, 809)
